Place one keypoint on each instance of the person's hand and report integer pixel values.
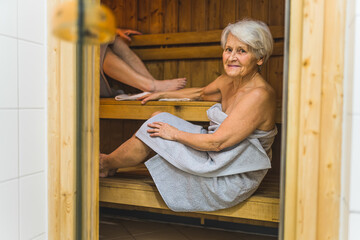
(150, 97)
(163, 130)
(125, 33)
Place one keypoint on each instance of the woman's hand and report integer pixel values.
(150, 97)
(125, 33)
(163, 130)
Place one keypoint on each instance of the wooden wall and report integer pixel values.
(167, 16)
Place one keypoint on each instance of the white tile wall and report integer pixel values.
(354, 226)
(352, 104)
(349, 59)
(31, 18)
(8, 18)
(31, 141)
(23, 198)
(32, 206)
(355, 165)
(8, 79)
(31, 75)
(9, 209)
(9, 146)
(356, 87)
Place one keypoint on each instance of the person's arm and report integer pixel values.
(209, 93)
(248, 115)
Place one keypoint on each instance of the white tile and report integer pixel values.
(31, 141)
(32, 206)
(346, 157)
(355, 165)
(31, 20)
(9, 146)
(357, 3)
(8, 17)
(31, 75)
(41, 237)
(350, 12)
(9, 209)
(354, 226)
(8, 69)
(349, 69)
(356, 76)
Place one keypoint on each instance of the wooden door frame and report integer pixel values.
(61, 106)
(314, 120)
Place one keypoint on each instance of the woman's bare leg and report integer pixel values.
(122, 50)
(125, 66)
(129, 154)
(116, 68)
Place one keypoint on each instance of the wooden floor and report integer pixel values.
(132, 229)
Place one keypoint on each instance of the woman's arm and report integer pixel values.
(209, 93)
(249, 114)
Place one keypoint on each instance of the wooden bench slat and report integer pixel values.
(198, 52)
(188, 110)
(212, 36)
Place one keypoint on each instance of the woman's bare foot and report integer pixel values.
(169, 85)
(103, 170)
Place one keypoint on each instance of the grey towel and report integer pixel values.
(105, 89)
(192, 180)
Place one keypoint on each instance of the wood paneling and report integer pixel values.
(61, 136)
(171, 26)
(171, 16)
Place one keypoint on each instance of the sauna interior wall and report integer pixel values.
(168, 16)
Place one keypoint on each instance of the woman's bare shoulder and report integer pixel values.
(263, 90)
(260, 100)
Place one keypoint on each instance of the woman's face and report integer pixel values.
(237, 59)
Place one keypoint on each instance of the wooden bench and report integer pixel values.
(133, 187)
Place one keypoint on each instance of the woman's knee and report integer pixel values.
(108, 60)
(155, 113)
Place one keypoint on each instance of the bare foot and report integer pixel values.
(169, 85)
(103, 170)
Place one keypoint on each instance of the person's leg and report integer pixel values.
(123, 65)
(117, 69)
(122, 50)
(129, 154)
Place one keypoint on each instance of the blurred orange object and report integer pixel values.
(99, 23)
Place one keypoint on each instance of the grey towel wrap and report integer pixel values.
(192, 180)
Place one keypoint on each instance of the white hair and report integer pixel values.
(255, 34)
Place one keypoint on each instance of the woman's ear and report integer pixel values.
(260, 61)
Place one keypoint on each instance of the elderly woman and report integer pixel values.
(205, 170)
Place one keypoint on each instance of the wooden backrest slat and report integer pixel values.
(176, 38)
(198, 52)
(212, 36)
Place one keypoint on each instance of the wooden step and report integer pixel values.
(135, 187)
